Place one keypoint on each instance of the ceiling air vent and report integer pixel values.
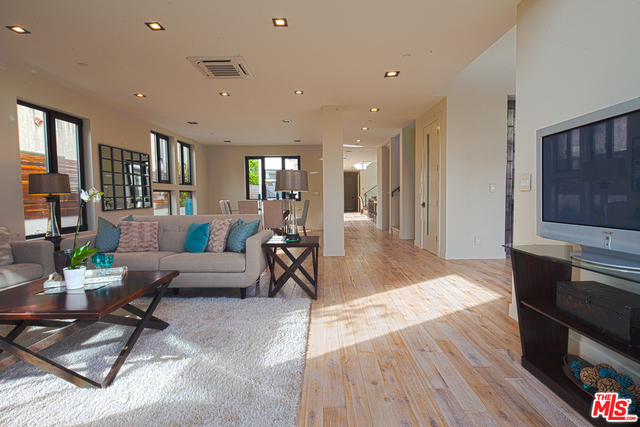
(231, 67)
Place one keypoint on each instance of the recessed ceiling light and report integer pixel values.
(365, 128)
(140, 95)
(358, 140)
(374, 110)
(18, 29)
(224, 94)
(298, 92)
(83, 64)
(193, 123)
(286, 121)
(280, 22)
(391, 73)
(227, 142)
(155, 26)
(297, 140)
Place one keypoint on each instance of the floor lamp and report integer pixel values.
(50, 185)
(291, 181)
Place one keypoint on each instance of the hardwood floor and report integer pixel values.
(399, 337)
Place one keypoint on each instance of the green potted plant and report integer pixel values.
(74, 274)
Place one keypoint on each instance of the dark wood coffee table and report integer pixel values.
(24, 306)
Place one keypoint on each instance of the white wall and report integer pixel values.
(368, 178)
(407, 182)
(102, 125)
(226, 174)
(394, 182)
(476, 152)
(573, 57)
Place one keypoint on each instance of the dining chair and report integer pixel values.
(302, 221)
(273, 215)
(248, 206)
(224, 207)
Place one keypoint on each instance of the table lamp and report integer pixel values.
(291, 180)
(50, 185)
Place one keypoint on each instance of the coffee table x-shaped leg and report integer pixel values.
(31, 354)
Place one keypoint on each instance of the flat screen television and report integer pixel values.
(588, 185)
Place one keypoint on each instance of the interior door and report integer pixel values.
(430, 187)
(350, 192)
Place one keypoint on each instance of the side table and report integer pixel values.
(311, 245)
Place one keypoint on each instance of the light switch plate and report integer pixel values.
(316, 193)
(525, 182)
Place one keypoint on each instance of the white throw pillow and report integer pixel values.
(6, 256)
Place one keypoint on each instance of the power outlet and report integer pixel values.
(607, 242)
(476, 241)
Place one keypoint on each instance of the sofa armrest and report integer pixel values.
(255, 258)
(34, 252)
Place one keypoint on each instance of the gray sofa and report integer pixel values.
(197, 270)
(32, 260)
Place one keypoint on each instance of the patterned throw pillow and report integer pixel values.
(138, 236)
(218, 232)
(239, 233)
(196, 239)
(108, 234)
(6, 256)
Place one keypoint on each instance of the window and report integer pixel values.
(160, 158)
(161, 203)
(186, 203)
(184, 163)
(50, 141)
(261, 175)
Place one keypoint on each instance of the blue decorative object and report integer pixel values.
(624, 380)
(576, 367)
(108, 235)
(607, 373)
(188, 207)
(197, 237)
(239, 233)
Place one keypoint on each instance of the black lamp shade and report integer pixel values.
(47, 184)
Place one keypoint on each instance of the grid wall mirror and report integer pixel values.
(125, 179)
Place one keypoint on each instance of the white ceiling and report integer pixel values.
(336, 51)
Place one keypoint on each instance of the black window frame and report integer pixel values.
(184, 175)
(52, 161)
(157, 160)
(263, 189)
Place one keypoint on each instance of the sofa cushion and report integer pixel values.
(218, 232)
(6, 256)
(147, 261)
(19, 273)
(197, 238)
(108, 234)
(206, 262)
(138, 237)
(239, 233)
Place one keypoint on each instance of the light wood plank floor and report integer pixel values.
(399, 337)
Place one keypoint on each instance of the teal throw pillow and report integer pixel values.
(197, 238)
(108, 235)
(239, 233)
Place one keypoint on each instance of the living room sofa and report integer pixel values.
(197, 270)
(32, 260)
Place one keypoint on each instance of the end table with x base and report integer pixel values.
(311, 246)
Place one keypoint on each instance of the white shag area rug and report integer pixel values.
(221, 362)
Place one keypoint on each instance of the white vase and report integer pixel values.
(74, 278)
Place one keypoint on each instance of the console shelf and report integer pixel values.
(544, 331)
